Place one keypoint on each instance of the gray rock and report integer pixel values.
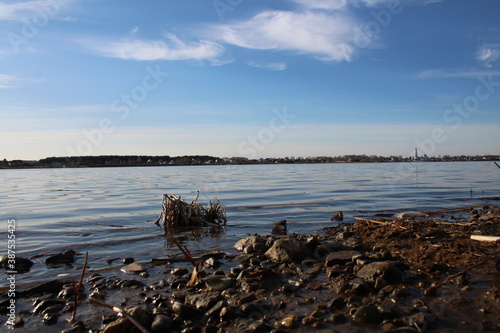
(161, 323)
(367, 314)
(279, 228)
(245, 242)
(286, 250)
(340, 257)
(202, 301)
(17, 322)
(218, 283)
(380, 269)
(133, 268)
(43, 305)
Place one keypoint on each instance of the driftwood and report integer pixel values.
(177, 213)
(485, 238)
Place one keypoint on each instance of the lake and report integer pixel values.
(110, 212)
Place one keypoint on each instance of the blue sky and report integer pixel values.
(249, 78)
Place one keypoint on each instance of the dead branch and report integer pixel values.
(122, 313)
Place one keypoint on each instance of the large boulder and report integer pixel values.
(287, 250)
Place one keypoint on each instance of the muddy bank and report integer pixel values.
(420, 275)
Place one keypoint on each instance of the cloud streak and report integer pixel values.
(171, 48)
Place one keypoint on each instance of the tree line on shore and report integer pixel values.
(146, 160)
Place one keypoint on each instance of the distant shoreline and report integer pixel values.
(150, 161)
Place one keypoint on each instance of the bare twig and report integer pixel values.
(381, 223)
(121, 312)
(76, 289)
(431, 291)
(496, 164)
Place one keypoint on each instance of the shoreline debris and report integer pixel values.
(177, 213)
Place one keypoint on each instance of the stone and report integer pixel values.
(367, 314)
(246, 242)
(279, 228)
(217, 283)
(161, 323)
(49, 287)
(339, 216)
(287, 250)
(65, 257)
(21, 264)
(133, 268)
(49, 319)
(128, 261)
(380, 269)
(17, 322)
(340, 257)
(202, 301)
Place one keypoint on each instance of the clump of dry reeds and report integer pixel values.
(178, 214)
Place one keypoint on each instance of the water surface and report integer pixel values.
(110, 212)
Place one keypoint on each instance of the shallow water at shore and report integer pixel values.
(110, 212)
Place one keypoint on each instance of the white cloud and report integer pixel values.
(454, 73)
(11, 81)
(274, 66)
(20, 11)
(172, 48)
(488, 54)
(328, 36)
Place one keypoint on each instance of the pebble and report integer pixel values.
(161, 323)
(133, 268)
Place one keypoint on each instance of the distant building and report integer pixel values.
(415, 155)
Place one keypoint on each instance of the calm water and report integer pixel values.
(110, 212)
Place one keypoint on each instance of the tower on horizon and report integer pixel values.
(415, 154)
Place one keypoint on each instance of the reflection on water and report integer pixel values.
(110, 212)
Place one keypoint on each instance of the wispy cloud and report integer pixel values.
(19, 11)
(327, 36)
(455, 73)
(273, 66)
(171, 48)
(323, 4)
(8, 81)
(488, 53)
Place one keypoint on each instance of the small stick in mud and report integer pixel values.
(431, 291)
(76, 289)
(121, 312)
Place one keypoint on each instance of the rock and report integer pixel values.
(245, 242)
(65, 257)
(128, 261)
(279, 228)
(340, 257)
(78, 327)
(49, 319)
(179, 271)
(217, 283)
(118, 326)
(184, 311)
(202, 301)
(359, 286)
(49, 287)
(380, 269)
(367, 314)
(133, 284)
(17, 322)
(133, 268)
(337, 318)
(212, 263)
(338, 217)
(286, 250)
(21, 265)
(289, 322)
(161, 323)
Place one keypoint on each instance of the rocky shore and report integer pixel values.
(389, 275)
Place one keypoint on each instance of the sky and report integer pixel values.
(249, 78)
